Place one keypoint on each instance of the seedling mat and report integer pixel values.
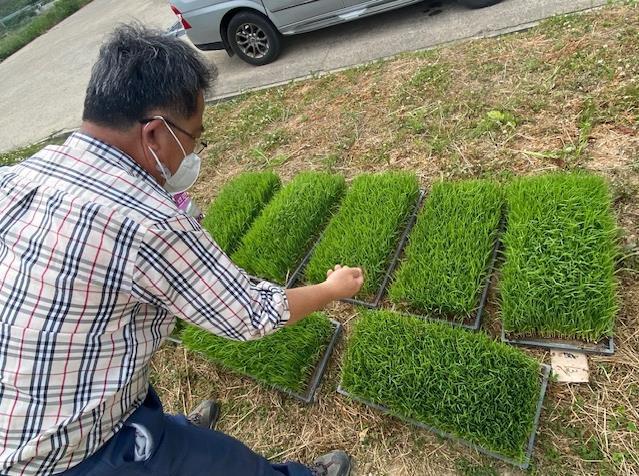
(293, 278)
(375, 303)
(318, 373)
(544, 375)
(605, 347)
(476, 324)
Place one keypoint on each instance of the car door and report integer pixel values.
(355, 3)
(287, 12)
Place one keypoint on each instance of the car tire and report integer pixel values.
(478, 3)
(253, 38)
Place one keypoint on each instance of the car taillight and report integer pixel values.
(178, 13)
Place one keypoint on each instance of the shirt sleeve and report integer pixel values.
(180, 268)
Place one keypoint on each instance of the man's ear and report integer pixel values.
(150, 135)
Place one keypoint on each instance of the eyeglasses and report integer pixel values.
(200, 145)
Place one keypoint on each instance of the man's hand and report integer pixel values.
(341, 282)
(344, 282)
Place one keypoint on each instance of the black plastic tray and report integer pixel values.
(375, 303)
(544, 376)
(476, 324)
(604, 347)
(318, 373)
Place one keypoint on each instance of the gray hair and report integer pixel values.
(139, 70)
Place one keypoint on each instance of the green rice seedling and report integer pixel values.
(239, 202)
(560, 251)
(282, 234)
(446, 260)
(366, 229)
(458, 382)
(284, 359)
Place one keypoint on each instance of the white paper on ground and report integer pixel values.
(569, 367)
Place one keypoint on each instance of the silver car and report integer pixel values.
(253, 29)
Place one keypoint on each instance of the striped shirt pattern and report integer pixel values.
(95, 262)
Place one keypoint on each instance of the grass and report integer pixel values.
(367, 227)
(284, 359)
(459, 382)
(18, 155)
(282, 234)
(239, 202)
(560, 246)
(38, 25)
(447, 256)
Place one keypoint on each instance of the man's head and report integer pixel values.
(147, 91)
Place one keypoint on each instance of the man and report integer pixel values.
(96, 259)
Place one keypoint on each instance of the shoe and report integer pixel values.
(335, 463)
(205, 415)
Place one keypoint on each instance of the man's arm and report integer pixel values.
(181, 269)
(341, 283)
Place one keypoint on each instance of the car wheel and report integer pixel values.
(253, 38)
(478, 3)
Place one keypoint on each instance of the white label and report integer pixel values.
(569, 367)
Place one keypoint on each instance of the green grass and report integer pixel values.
(284, 359)
(40, 24)
(459, 382)
(447, 256)
(14, 156)
(560, 248)
(367, 227)
(237, 205)
(284, 231)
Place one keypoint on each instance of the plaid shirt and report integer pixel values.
(95, 260)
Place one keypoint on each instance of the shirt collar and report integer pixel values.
(113, 155)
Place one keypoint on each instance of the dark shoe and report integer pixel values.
(205, 415)
(335, 463)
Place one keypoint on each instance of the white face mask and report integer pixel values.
(186, 174)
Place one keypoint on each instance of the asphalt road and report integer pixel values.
(43, 84)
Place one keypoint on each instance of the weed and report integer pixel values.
(238, 204)
(557, 280)
(283, 232)
(285, 358)
(446, 259)
(367, 227)
(459, 382)
(496, 121)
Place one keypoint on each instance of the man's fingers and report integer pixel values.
(329, 272)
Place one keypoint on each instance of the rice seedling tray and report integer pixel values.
(237, 205)
(604, 347)
(366, 230)
(544, 377)
(450, 255)
(464, 384)
(318, 373)
(375, 303)
(296, 274)
(474, 324)
(288, 226)
(557, 283)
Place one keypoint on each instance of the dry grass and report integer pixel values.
(561, 96)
